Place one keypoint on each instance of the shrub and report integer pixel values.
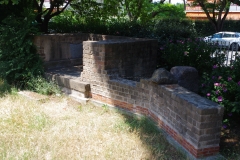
(205, 28)
(189, 52)
(18, 58)
(174, 29)
(66, 22)
(222, 85)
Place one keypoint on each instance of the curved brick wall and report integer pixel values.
(193, 121)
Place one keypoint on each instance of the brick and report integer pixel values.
(206, 125)
(207, 138)
(213, 131)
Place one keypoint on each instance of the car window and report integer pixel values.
(218, 35)
(228, 35)
(237, 35)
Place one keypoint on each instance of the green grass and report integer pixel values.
(42, 86)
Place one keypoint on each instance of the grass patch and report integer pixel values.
(61, 128)
(42, 86)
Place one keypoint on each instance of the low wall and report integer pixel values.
(59, 50)
(129, 59)
(193, 121)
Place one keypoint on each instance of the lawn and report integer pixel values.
(60, 128)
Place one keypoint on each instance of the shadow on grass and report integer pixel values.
(152, 137)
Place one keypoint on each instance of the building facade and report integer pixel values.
(196, 12)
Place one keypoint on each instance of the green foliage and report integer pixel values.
(204, 28)
(133, 9)
(18, 59)
(15, 9)
(168, 11)
(90, 10)
(189, 52)
(105, 108)
(222, 85)
(67, 22)
(42, 86)
(9, 1)
(173, 29)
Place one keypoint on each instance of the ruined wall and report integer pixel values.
(59, 50)
(193, 121)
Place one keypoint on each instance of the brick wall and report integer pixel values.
(129, 59)
(59, 50)
(193, 121)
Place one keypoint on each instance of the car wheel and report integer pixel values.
(234, 47)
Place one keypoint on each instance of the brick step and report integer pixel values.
(69, 80)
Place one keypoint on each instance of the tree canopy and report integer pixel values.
(133, 10)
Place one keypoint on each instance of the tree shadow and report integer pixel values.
(151, 136)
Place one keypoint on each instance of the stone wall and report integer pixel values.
(59, 50)
(193, 121)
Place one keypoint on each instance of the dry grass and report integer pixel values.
(60, 128)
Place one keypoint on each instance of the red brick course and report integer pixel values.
(198, 153)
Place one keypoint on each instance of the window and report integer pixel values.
(218, 35)
(228, 35)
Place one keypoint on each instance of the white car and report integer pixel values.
(228, 40)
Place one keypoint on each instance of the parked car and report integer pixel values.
(228, 40)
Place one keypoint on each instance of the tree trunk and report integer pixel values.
(184, 5)
(44, 25)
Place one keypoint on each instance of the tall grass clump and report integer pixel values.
(43, 86)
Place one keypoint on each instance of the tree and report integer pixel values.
(89, 10)
(216, 11)
(45, 14)
(184, 4)
(134, 9)
(168, 10)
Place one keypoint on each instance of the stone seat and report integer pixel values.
(68, 78)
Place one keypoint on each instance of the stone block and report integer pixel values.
(186, 76)
(162, 76)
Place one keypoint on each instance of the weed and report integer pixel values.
(42, 86)
(105, 108)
